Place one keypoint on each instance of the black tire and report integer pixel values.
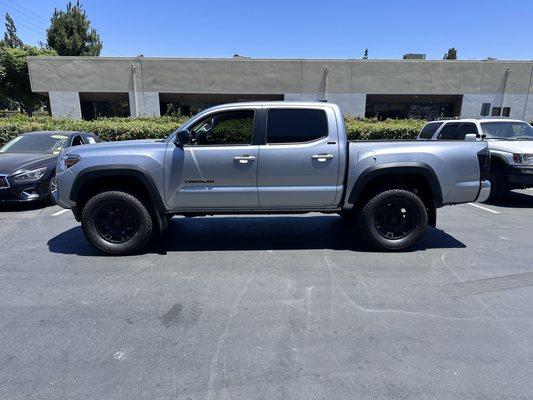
(499, 185)
(51, 188)
(117, 222)
(393, 219)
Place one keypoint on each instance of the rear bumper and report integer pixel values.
(522, 176)
(484, 192)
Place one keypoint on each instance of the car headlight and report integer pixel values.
(30, 175)
(522, 158)
(65, 162)
(518, 158)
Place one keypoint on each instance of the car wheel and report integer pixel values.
(393, 219)
(51, 188)
(499, 186)
(117, 222)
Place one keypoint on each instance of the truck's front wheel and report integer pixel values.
(393, 219)
(117, 222)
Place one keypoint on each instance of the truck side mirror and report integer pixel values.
(471, 137)
(183, 138)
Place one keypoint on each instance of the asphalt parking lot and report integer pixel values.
(269, 308)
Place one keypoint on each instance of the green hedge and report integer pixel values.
(391, 129)
(110, 129)
(107, 128)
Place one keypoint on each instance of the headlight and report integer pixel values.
(31, 175)
(522, 158)
(518, 158)
(65, 162)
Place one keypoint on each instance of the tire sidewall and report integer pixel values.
(374, 237)
(135, 243)
(50, 196)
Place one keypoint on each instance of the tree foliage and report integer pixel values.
(14, 76)
(70, 33)
(451, 54)
(11, 38)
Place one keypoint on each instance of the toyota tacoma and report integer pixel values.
(266, 158)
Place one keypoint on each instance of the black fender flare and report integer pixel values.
(133, 171)
(379, 170)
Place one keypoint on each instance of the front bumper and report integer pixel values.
(521, 176)
(25, 192)
(484, 192)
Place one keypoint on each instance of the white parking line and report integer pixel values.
(59, 212)
(484, 208)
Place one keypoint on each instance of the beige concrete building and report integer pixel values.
(78, 86)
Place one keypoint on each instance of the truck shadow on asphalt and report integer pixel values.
(515, 200)
(253, 233)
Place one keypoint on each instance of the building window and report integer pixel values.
(485, 109)
(498, 111)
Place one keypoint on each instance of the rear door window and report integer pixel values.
(296, 125)
(449, 131)
(429, 130)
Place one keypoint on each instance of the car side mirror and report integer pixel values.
(183, 138)
(471, 137)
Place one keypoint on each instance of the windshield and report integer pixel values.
(507, 130)
(36, 143)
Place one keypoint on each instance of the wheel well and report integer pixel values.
(497, 162)
(93, 186)
(412, 181)
(417, 183)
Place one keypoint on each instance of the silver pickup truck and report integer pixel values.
(268, 157)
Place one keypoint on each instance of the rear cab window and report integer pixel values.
(429, 130)
(294, 125)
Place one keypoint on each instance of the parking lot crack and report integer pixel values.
(213, 365)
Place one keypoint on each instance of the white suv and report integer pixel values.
(510, 143)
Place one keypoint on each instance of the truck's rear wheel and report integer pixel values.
(393, 219)
(117, 222)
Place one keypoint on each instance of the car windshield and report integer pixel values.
(36, 143)
(507, 130)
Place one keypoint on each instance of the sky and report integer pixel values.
(294, 28)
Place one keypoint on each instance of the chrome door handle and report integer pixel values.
(244, 159)
(322, 157)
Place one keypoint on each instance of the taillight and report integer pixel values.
(483, 158)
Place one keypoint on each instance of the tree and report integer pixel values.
(451, 54)
(365, 55)
(11, 38)
(14, 77)
(70, 33)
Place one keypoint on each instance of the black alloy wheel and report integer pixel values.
(116, 222)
